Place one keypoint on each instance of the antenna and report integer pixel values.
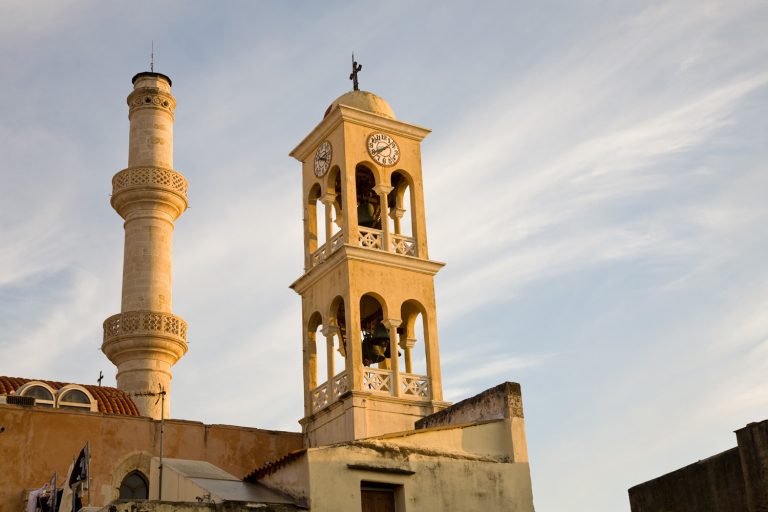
(152, 58)
(160, 397)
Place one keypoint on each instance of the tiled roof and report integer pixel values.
(273, 466)
(109, 400)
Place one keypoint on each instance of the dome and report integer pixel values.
(363, 100)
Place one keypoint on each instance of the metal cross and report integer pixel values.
(101, 376)
(353, 76)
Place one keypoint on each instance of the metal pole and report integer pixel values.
(162, 430)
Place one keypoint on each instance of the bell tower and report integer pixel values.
(145, 339)
(371, 357)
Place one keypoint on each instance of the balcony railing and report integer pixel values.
(323, 396)
(404, 245)
(368, 238)
(328, 248)
(375, 380)
(374, 239)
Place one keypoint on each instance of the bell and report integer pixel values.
(381, 334)
(376, 346)
(365, 213)
(373, 352)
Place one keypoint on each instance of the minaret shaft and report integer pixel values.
(145, 339)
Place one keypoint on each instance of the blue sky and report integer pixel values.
(596, 181)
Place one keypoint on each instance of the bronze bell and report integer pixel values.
(376, 346)
(365, 212)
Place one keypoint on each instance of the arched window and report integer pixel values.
(75, 398)
(42, 394)
(134, 487)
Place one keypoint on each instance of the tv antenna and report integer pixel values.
(160, 398)
(152, 58)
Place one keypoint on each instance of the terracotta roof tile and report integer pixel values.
(109, 400)
(272, 466)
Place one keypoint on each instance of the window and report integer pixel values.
(74, 398)
(377, 497)
(42, 395)
(134, 487)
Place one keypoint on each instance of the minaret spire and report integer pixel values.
(145, 339)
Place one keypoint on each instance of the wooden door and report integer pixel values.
(378, 500)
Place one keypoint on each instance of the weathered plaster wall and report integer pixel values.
(36, 442)
(438, 483)
(715, 484)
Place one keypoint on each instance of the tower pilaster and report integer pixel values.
(145, 339)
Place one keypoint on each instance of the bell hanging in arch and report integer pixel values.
(365, 214)
(376, 346)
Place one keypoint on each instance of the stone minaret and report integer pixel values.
(145, 339)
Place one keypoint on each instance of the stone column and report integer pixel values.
(383, 192)
(328, 200)
(407, 345)
(146, 339)
(392, 324)
(397, 216)
(329, 332)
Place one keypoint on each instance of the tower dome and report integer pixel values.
(363, 100)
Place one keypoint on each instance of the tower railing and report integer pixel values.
(328, 248)
(371, 238)
(375, 380)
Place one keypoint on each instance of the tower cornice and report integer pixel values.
(352, 253)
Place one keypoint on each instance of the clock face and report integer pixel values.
(323, 159)
(383, 149)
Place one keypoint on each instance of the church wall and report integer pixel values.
(437, 483)
(36, 442)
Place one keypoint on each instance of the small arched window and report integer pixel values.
(75, 398)
(134, 487)
(42, 395)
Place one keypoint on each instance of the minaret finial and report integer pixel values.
(353, 76)
(152, 58)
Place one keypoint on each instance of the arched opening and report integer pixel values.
(315, 229)
(413, 341)
(374, 334)
(375, 345)
(134, 487)
(401, 216)
(368, 204)
(338, 323)
(333, 186)
(316, 373)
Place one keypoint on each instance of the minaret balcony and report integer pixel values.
(139, 330)
(375, 380)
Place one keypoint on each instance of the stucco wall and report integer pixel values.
(438, 483)
(36, 442)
